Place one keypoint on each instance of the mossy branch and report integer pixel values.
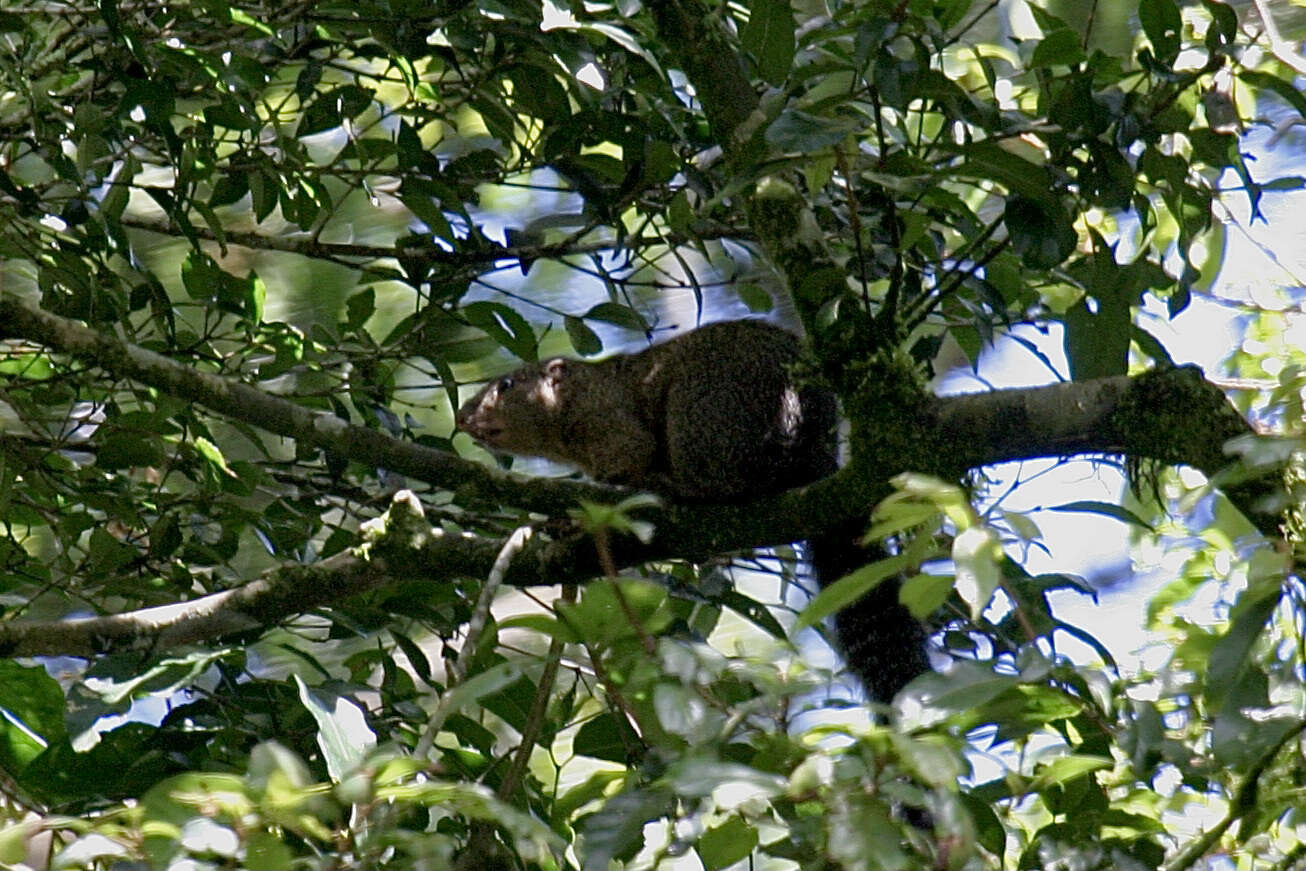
(1174, 416)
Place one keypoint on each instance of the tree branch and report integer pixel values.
(1172, 415)
(307, 246)
(282, 417)
(710, 60)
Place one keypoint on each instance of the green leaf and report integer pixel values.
(1163, 26)
(424, 200)
(492, 680)
(593, 787)
(616, 833)
(1097, 342)
(1229, 657)
(201, 276)
(358, 308)
(976, 555)
(924, 594)
(1040, 231)
(541, 623)
(1282, 87)
(1224, 24)
(1059, 48)
(966, 687)
(618, 315)
(1106, 509)
(866, 829)
(332, 108)
(342, 730)
(759, 614)
(13, 841)
(213, 454)
(512, 703)
(769, 38)
(606, 737)
(107, 554)
(1067, 768)
(754, 296)
(991, 162)
(601, 617)
(505, 326)
(583, 339)
(34, 367)
(538, 92)
(681, 711)
(989, 830)
(932, 758)
(1238, 740)
(416, 657)
(264, 851)
(702, 777)
(796, 130)
(255, 298)
(33, 706)
(726, 844)
(849, 589)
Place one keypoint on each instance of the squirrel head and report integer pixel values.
(519, 413)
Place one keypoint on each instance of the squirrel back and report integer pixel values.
(713, 415)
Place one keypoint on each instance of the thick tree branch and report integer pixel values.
(1174, 416)
(400, 537)
(708, 56)
(280, 416)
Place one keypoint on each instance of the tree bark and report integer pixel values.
(1173, 416)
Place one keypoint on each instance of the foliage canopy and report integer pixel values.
(250, 252)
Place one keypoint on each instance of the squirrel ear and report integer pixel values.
(555, 370)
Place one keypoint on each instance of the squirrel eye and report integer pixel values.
(506, 383)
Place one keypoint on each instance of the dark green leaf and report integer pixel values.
(616, 833)
(726, 844)
(1097, 343)
(538, 92)
(1059, 48)
(34, 714)
(416, 658)
(358, 308)
(1229, 657)
(796, 130)
(1163, 26)
(849, 589)
(505, 326)
(1040, 231)
(606, 737)
(619, 315)
(769, 37)
(1106, 509)
(583, 339)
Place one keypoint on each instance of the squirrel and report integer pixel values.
(711, 416)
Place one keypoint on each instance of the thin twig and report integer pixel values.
(481, 616)
(1279, 46)
(1243, 801)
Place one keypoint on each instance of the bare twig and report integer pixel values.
(1279, 47)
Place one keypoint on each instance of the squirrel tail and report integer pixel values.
(881, 640)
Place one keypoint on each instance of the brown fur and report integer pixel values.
(713, 415)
